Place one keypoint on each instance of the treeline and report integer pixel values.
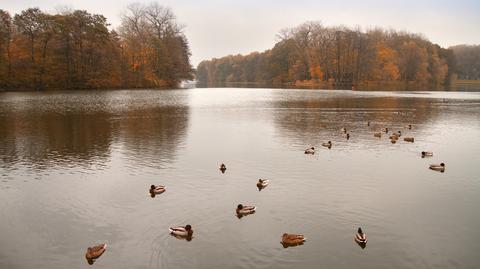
(76, 50)
(313, 53)
(468, 61)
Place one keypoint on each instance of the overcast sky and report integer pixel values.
(217, 28)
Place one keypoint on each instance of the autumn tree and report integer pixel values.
(77, 50)
(155, 50)
(5, 48)
(313, 53)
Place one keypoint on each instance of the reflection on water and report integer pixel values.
(75, 169)
(80, 129)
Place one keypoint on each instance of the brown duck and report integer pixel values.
(95, 252)
(293, 239)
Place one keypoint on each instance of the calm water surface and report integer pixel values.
(75, 169)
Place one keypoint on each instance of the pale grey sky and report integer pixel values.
(217, 28)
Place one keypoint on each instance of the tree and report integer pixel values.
(5, 52)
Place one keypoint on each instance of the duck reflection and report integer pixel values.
(361, 244)
(187, 238)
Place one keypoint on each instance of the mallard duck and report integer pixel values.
(409, 139)
(293, 239)
(394, 136)
(95, 252)
(438, 167)
(223, 167)
(328, 144)
(182, 231)
(245, 209)
(385, 130)
(360, 237)
(379, 135)
(310, 150)
(157, 189)
(427, 154)
(262, 183)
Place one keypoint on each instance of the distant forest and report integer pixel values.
(467, 61)
(312, 53)
(76, 50)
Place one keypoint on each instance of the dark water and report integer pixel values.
(75, 169)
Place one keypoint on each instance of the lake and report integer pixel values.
(75, 169)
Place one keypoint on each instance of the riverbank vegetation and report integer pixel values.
(76, 50)
(312, 54)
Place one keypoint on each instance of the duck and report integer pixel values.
(427, 154)
(223, 167)
(394, 136)
(293, 239)
(438, 167)
(344, 130)
(393, 141)
(245, 209)
(409, 126)
(262, 183)
(348, 136)
(360, 237)
(310, 150)
(409, 139)
(399, 133)
(157, 189)
(379, 135)
(328, 144)
(182, 231)
(95, 252)
(385, 130)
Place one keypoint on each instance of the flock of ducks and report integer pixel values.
(394, 137)
(287, 240)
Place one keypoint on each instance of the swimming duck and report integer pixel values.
(310, 151)
(95, 252)
(223, 167)
(293, 239)
(438, 167)
(385, 130)
(409, 139)
(245, 209)
(360, 237)
(157, 189)
(328, 144)
(399, 133)
(394, 136)
(427, 154)
(379, 135)
(262, 183)
(182, 231)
